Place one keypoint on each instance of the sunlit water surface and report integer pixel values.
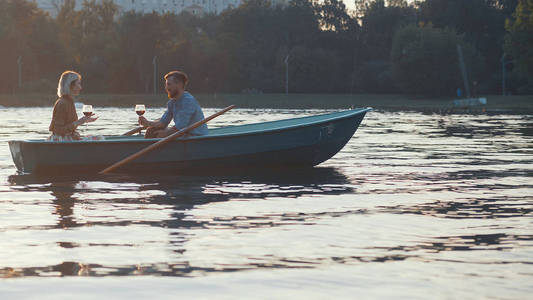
(415, 205)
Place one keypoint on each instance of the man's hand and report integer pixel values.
(144, 122)
(165, 132)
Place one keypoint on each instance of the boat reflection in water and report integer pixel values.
(166, 202)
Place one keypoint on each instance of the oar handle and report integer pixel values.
(164, 141)
(134, 131)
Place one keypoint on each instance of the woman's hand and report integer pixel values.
(87, 119)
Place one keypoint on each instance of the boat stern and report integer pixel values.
(16, 153)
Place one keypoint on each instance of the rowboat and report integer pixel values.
(297, 142)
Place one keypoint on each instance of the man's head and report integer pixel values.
(175, 83)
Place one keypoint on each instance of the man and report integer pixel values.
(182, 108)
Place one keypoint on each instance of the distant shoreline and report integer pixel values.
(389, 102)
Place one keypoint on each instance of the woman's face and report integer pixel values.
(76, 87)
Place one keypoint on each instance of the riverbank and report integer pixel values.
(392, 102)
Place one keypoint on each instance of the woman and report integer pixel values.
(65, 119)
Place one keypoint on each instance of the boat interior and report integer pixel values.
(243, 129)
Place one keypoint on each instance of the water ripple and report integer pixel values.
(439, 200)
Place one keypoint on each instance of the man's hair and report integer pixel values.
(178, 76)
(65, 82)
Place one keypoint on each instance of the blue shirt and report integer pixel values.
(185, 111)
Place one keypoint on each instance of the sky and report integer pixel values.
(350, 3)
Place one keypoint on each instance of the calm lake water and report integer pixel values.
(415, 205)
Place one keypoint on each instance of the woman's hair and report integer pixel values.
(65, 82)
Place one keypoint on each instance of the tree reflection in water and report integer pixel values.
(182, 194)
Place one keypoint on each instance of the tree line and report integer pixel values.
(380, 47)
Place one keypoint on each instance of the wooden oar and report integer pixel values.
(134, 131)
(164, 141)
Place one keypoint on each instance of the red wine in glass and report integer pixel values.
(140, 109)
(87, 111)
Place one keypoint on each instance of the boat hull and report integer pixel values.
(303, 142)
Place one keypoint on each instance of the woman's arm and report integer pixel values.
(59, 120)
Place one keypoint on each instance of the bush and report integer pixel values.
(42, 85)
(375, 77)
(425, 61)
(519, 44)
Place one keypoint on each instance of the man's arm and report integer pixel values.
(182, 119)
(161, 123)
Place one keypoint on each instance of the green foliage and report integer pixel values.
(425, 60)
(26, 32)
(330, 49)
(380, 23)
(375, 76)
(480, 21)
(334, 17)
(519, 44)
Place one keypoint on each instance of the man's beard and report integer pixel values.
(172, 94)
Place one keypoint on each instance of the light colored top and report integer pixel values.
(185, 111)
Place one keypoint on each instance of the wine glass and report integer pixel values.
(87, 111)
(140, 109)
